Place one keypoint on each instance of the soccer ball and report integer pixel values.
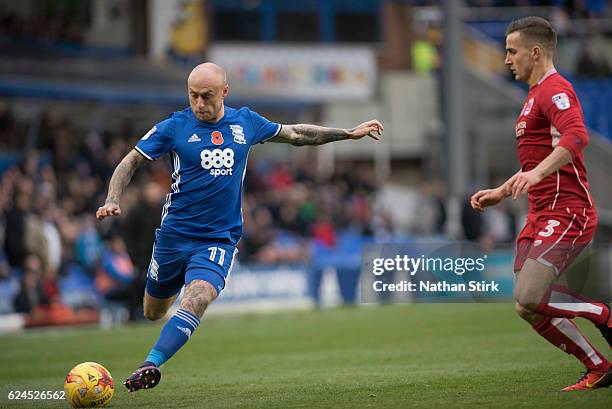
(89, 385)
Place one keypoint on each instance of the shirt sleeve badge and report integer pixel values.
(561, 101)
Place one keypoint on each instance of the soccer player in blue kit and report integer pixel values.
(201, 221)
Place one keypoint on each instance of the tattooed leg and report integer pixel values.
(197, 297)
(177, 331)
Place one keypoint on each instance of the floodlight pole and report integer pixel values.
(454, 98)
(453, 101)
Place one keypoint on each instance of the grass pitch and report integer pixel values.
(399, 356)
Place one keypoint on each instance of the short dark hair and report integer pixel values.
(536, 29)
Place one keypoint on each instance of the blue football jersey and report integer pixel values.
(208, 167)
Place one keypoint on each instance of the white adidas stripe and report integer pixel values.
(191, 320)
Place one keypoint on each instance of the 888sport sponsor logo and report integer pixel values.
(220, 162)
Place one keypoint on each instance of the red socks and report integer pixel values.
(565, 335)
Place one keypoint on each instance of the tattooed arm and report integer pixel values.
(120, 179)
(303, 134)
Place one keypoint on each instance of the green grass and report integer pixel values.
(400, 356)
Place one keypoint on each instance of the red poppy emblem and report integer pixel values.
(216, 138)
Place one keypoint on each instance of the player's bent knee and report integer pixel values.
(528, 315)
(529, 298)
(520, 310)
(153, 315)
(528, 303)
(156, 308)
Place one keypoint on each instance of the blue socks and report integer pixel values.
(173, 336)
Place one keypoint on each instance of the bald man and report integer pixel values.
(201, 221)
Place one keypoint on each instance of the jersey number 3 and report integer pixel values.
(550, 229)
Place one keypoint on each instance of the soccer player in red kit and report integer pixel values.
(562, 218)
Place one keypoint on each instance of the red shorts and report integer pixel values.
(555, 238)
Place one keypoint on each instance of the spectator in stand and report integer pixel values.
(139, 231)
(16, 217)
(114, 279)
(88, 245)
(472, 222)
(116, 270)
(32, 293)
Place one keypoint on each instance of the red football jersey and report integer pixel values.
(552, 116)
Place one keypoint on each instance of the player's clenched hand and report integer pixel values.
(486, 198)
(523, 181)
(372, 128)
(109, 209)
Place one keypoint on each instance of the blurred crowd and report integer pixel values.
(49, 21)
(48, 226)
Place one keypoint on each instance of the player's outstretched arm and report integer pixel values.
(304, 134)
(119, 181)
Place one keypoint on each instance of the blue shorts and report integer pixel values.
(177, 261)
